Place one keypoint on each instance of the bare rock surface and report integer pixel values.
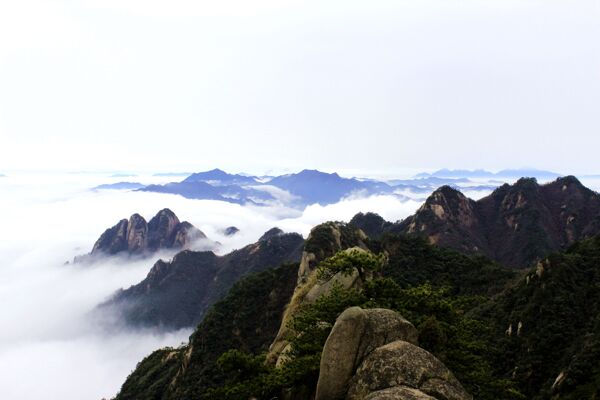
(355, 335)
(402, 367)
(137, 237)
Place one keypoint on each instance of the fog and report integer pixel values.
(49, 347)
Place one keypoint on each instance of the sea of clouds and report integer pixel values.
(49, 347)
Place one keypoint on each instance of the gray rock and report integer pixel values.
(399, 393)
(355, 335)
(138, 237)
(137, 231)
(403, 365)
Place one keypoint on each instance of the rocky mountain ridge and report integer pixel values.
(392, 315)
(136, 237)
(176, 294)
(516, 225)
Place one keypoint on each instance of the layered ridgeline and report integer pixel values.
(392, 318)
(296, 190)
(516, 225)
(177, 293)
(265, 338)
(136, 237)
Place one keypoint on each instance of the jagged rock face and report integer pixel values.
(177, 294)
(447, 218)
(161, 229)
(401, 370)
(324, 241)
(135, 236)
(185, 234)
(516, 225)
(113, 240)
(137, 231)
(354, 336)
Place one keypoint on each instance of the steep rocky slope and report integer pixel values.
(135, 236)
(516, 225)
(178, 293)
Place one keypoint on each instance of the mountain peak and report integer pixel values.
(372, 224)
(568, 181)
(166, 212)
(271, 233)
(135, 236)
(446, 194)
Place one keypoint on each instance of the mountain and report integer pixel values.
(480, 173)
(120, 186)
(135, 236)
(426, 181)
(230, 231)
(313, 186)
(545, 328)
(432, 312)
(373, 225)
(296, 190)
(332, 345)
(246, 319)
(167, 174)
(457, 173)
(515, 225)
(217, 177)
(293, 190)
(201, 190)
(178, 293)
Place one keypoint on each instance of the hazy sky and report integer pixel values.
(262, 85)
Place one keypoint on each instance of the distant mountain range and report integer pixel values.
(120, 186)
(481, 173)
(296, 190)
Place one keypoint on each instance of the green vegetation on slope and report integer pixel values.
(246, 319)
(504, 334)
(438, 312)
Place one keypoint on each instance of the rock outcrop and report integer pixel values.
(138, 237)
(324, 241)
(355, 335)
(373, 354)
(401, 370)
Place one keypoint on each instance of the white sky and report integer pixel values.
(273, 85)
